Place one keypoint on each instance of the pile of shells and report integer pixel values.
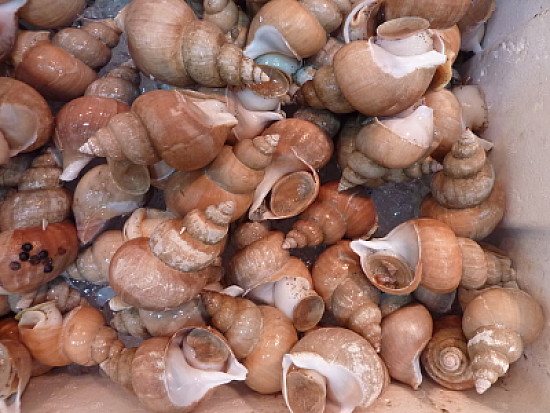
(271, 123)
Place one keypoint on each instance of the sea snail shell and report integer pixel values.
(174, 374)
(418, 251)
(328, 367)
(498, 324)
(440, 13)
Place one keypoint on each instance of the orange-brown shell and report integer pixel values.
(50, 14)
(447, 121)
(55, 73)
(18, 277)
(33, 109)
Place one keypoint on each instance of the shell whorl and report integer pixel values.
(236, 69)
(467, 178)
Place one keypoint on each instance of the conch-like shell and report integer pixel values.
(40, 197)
(333, 216)
(440, 13)
(233, 176)
(498, 323)
(464, 193)
(120, 83)
(15, 373)
(259, 335)
(76, 53)
(52, 13)
(291, 183)
(170, 268)
(77, 121)
(92, 264)
(79, 336)
(167, 42)
(186, 130)
(138, 322)
(445, 358)
(401, 60)
(270, 275)
(418, 251)
(26, 121)
(332, 369)
(174, 374)
(32, 256)
(352, 299)
(98, 198)
(405, 333)
(223, 13)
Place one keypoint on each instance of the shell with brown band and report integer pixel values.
(333, 216)
(269, 275)
(40, 197)
(174, 374)
(169, 268)
(259, 335)
(233, 176)
(418, 251)
(348, 295)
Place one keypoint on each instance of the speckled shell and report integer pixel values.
(59, 240)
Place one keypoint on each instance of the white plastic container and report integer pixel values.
(514, 73)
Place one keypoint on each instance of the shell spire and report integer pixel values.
(120, 83)
(465, 194)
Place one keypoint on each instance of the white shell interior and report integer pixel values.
(512, 71)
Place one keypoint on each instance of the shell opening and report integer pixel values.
(268, 39)
(287, 64)
(187, 384)
(41, 316)
(19, 127)
(343, 388)
(403, 37)
(351, 16)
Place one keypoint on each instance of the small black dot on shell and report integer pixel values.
(24, 256)
(43, 254)
(14, 266)
(48, 268)
(27, 247)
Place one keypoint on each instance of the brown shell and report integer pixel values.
(302, 31)
(447, 121)
(476, 222)
(332, 216)
(18, 277)
(508, 308)
(440, 14)
(405, 333)
(55, 73)
(15, 368)
(50, 14)
(144, 281)
(76, 122)
(31, 109)
(264, 363)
